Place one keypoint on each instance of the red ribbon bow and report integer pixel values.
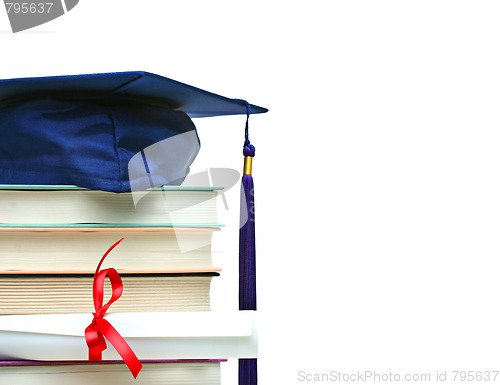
(100, 328)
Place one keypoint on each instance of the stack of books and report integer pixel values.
(52, 238)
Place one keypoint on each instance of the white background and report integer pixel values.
(377, 167)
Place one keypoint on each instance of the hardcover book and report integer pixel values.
(66, 249)
(154, 372)
(70, 205)
(41, 293)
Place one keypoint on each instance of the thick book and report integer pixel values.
(79, 249)
(154, 372)
(41, 293)
(70, 205)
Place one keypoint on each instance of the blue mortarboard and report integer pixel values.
(87, 130)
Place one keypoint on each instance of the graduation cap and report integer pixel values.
(119, 132)
(84, 130)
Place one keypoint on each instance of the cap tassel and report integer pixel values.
(247, 371)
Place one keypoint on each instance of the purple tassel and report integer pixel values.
(248, 294)
(247, 373)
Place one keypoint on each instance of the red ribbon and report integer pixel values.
(100, 328)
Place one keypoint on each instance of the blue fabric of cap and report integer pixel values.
(84, 129)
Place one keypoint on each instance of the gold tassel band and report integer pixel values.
(247, 168)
